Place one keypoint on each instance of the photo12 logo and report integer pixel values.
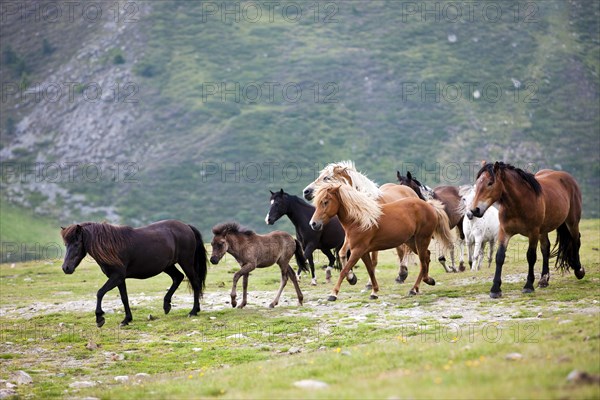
(269, 92)
(454, 92)
(70, 92)
(453, 12)
(270, 11)
(68, 11)
(67, 172)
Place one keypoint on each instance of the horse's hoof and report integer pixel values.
(332, 298)
(580, 273)
(412, 292)
(354, 279)
(527, 290)
(100, 322)
(495, 295)
(461, 267)
(313, 282)
(369, 286)
(373, 297)
(430, 281)
(123, 323)
(167, 308)
(543, 283)
(193, 314)
(399, 279)
(454, 270)
(233, 304)
(442, 259)
(328, 275)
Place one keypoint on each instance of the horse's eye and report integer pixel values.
(326, 178)
(490, 183)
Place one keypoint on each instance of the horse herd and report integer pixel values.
(352, 219)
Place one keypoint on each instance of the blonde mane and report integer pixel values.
(360, 208)
(344, 172)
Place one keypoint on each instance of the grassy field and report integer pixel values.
(451, 341)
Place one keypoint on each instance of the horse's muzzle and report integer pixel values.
(316, 226)
(476, 212)
(214, 260)
(68, 270)
(308, 194)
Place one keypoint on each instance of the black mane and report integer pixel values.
(231, 227)
(528, 177)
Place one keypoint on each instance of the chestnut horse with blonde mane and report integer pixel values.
(532, 206)
(371, 226)
(344, 172)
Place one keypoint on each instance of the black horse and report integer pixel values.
(300, 213)
(125, 252)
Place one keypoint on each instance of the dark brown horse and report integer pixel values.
(124, 252)
(532, 206)
(451, 198)
(257, 251)
(372, 226)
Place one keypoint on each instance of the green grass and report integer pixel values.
(26, 235)
(448, 342)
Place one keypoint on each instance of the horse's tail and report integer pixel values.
(566, 249)
(442, 231)
(338, 263)
(300, 259)
(200, 263)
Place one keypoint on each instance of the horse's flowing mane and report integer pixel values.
(345, 172)
(528, 177)
(231, 227)
(361, 208)
(103, 241)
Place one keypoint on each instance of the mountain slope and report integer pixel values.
(200, 115)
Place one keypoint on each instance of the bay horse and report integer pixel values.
(479, 231)
(252, 251)
(372, 226)
(124, 252)
(532, 206)
(344, 172)
(451, 198)
(300, 212)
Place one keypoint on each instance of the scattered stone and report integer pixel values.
(196, 349)
(540, 315)
(237, 336)
(10, 385)
(310, 384)
(82, 384)
(564, 359)
(151, 317)
(322, 348)
(576, 376)
(452, 38)
(122, 378)
(142, 375)
(346, 353)
(91, 345)
(116, 357)
(565, 321)
(514, 356)
(212, 318)
(5, 393)
(21, 378)
(294, 350)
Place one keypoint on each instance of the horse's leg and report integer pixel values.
(352, 260)
(531, 258)
(308, 254)
(371, 271)
(245, 290)
(470, 248)
(374, 257)
(284, 278)
(246, 269)
(403, 255)
(350, 276)
(125, 300)
(330, 265)
(491, 252)
(113, 281)
(421, 249)
(545, 247)
(177, 278)
(503, 239)
(461, 259)
(478, 254)
(573, 227)
(296, 286)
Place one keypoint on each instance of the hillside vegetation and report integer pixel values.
(200, 116)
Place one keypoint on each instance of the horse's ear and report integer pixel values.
(281, 191)
(62, 228)
(398, 174)
(409, 175)
(483, 162)
(271, 192)
(78, 229)
(496, 167)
